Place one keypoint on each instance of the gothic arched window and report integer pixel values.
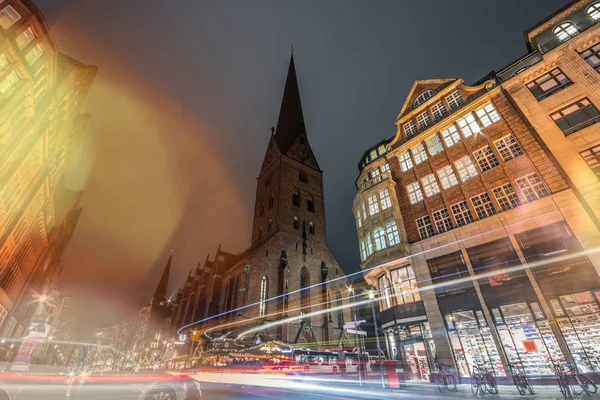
(310, 204)
(296, 223)
(296, 198)
(302, 177)
(269, 226)
(423, 96)
(264, 291)
(311, 228)
(260, 233)
(262, 209)
(565, 30)
(304, 291)
(594, 11)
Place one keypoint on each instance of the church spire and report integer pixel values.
(290, 124)
(161, 290)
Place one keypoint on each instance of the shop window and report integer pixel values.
(548, 84)
(486, 158)
(434, 145)
(508, 147)
(405, 285)
(576, 116)
(449, 268)
(405, 161)
(506, 197)
(451, 136)
(425, 228)
(385, 298)
(592, 158)
(492, 259)
(579, 304)
(592, 56)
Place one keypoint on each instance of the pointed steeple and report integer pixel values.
(290, 124)
(161, 290)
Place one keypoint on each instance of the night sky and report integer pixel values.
(187, 92)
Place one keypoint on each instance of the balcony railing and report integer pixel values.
(375, 181)
(519, 66)
(581, 126)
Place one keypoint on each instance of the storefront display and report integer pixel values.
(413, 345)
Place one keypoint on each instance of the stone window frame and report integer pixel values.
(380, 238)
(556, 76)
(373, 204)
(592, 158)
(591, 56)
(442, 220)
(393, 236)
(583, 105)
(565, 30)
(506, 196)
(462, 213)
(385, 198)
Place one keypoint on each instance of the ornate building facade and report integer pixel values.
(288, 261)
(478, 220)
(41, 91)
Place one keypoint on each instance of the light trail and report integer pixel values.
(517, 268)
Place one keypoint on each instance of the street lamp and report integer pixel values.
(372, 298)
(351, 295)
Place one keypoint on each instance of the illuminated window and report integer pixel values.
(454, 100)
(310, 204)
(379, 236)
(487, 115)
(451, 136)
(442, 220)
(447, 177)
(533, 187)
(264, 290)
(594, 11)
(486, 158)
(430, 185)
(423, 96)
(385, 300)
(381, 149)
(364, 212)
(373, 154)
(462, 213)
(34, 54)
(8, 16)
(434, 145)
(468, 125)
(419, 153)
(25, 38)
(8, 85)
(483, 205)
(414, 192)
(358, 219)
(385, 167)
(374, 173)
(391, 229)
(466, 169)
(296, 198)
(548, 84)
(424, 120)
(438, 110)
(506, 197)
(576, 116)
(405, 162)
(384, 197)
(425, 228)
(296, 223)
(369, 244)
(373, 205)
(405, 285)
(565, 30)
(311, 228)
(508, 147)
(592, 158)
(410, 128)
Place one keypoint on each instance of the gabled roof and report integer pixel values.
(161, 289)
(421, 86)
(290, 124)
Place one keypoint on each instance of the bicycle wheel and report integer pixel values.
(564, 388)
(518, 380)
(586, 384)
(492, 387)
(474, 385)
(529, 387)
(451, 383)
(441, 383)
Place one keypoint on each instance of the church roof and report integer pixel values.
(161, 289)
(290, 124)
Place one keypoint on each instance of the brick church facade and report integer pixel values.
(288, 259)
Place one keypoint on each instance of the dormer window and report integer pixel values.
(410, 128)
(422, 97)
(594, 11)
(565, 30)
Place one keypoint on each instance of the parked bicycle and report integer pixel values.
(445, 378)
(569, 379)
(483, 380)
(520, 378)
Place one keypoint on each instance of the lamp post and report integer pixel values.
(372, 298)
(351, 292)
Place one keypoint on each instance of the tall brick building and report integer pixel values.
(288, 253)
(478, 220)
(41, 91)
